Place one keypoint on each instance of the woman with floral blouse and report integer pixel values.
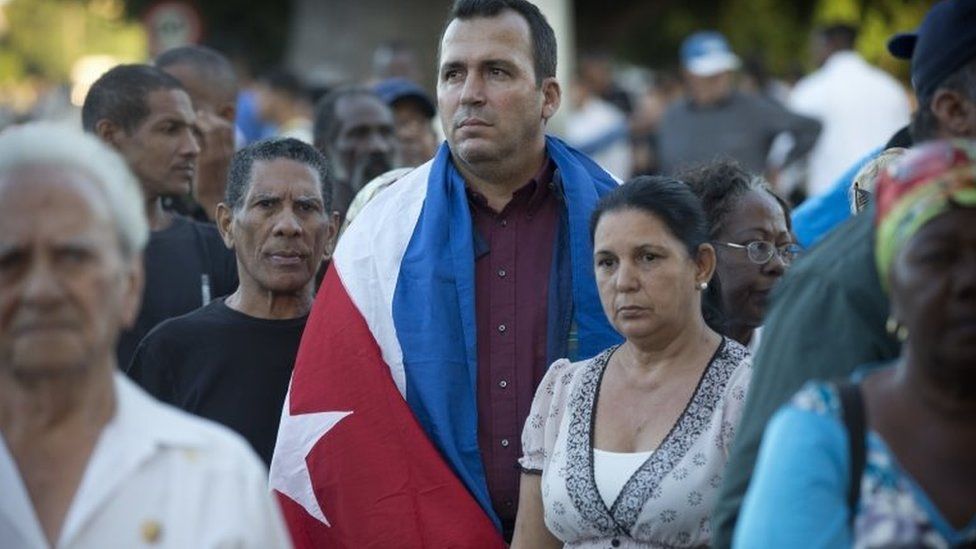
(627, 449)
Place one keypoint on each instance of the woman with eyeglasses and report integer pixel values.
(888, 457)
(751, 231)
(628, 449)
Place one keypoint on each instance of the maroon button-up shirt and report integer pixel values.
(511, 302)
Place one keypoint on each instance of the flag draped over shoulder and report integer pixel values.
(378, 439)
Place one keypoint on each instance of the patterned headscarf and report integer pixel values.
(925, 182)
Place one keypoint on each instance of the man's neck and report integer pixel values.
(498, 182)
(157, 217)
(252, 301)
(35, 406)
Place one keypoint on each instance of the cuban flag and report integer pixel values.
(377, 445)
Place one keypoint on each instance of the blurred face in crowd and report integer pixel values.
(204, 94)
(746, 285)
(162, 151)
(418, 143)
(491, 107)
(280, 230)
(365, 146)
(647, 281)
(933, 294)
(708, 90)
(66, 290)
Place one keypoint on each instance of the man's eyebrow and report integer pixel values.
(308, 199)
(448, 65)
(499, 63)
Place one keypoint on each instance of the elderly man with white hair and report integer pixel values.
(86, 458)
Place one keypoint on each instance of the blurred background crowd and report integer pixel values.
(627, 69)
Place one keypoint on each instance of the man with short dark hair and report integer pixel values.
(209, 79)
(354, 129)
(830, 311)
(242, 348)
(146, 115)
(458, 286)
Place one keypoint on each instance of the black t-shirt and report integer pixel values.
(187, 265)
(223, 365)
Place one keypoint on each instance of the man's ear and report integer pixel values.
(954, 112)
(225, 217)
(551, 97)
(109, 132)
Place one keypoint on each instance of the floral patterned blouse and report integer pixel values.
(668, 500)
(805, 451)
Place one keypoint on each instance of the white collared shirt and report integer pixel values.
(860, 107)
(157, 477)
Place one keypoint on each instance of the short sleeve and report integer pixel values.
(798, 493)
(548, 408)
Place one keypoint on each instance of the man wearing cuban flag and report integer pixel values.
(447, 299)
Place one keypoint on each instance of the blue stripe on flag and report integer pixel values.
(434, 309)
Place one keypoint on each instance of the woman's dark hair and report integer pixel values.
(672, 202)
(720, 185)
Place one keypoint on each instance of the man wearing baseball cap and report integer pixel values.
(943, 55)
(413, 114)
(717, 120)
(830, 312)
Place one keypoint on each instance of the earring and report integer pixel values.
(895, 328)
(703, 286)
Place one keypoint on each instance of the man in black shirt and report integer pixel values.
(231, 360)
(146, 115)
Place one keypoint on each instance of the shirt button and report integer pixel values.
(504, 443)
(615, 542)
(509, 503)
(503, 384)
(502, 273)
(504, 223)
(501, 328)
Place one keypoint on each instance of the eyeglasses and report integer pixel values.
(761, 251)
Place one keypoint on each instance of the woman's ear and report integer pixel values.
(705, 261)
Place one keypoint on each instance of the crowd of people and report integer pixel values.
(283, 317)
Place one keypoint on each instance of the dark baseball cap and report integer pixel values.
(945, 41)
(392, 90)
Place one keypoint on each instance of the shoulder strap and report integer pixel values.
(852, 405)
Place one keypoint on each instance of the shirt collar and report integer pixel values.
(535, 191)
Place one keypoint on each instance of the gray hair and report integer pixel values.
(862, 186)
(242, 165)
(49, 144)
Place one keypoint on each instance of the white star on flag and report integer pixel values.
(296, 437)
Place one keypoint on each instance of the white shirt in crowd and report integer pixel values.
(600, 130)
(860, 107)
(157, 477)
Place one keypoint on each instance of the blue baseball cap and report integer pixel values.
(392, 90)
(706, 53)
(945, 41)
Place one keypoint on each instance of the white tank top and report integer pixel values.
(612, 470)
